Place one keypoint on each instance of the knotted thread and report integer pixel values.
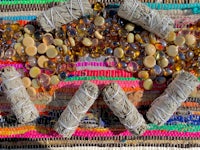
(63, 14)
(151, 20)
(76, 109)
(177, 92)
(121, 106)
(21, 105)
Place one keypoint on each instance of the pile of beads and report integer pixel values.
(48, 57)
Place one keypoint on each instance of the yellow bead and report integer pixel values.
(148, 84)
(34, 72)
(118, 52)
(143, 74)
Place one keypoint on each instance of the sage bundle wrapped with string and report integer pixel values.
(149, 19)
(177, 92)
(56, 16)
(116, 99)
(76, 109)
(16, 93)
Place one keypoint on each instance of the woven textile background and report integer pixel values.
(97, 130)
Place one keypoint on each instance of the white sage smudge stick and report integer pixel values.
(68, 11)
(149, 19)
(116, 99)
(16, 93)
(76, 109)
(177, 92)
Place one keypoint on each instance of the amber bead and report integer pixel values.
(48, 39)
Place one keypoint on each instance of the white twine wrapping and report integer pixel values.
(56, 16)
(76, 109)
(121, 106)
(21, 105)
(177, 92)
(149, 19)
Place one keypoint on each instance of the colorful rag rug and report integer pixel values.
(99, 129)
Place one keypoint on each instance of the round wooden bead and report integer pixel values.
(172, 50)
(149, 61)
(150, 49)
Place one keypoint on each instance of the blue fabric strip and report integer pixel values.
(16, 18)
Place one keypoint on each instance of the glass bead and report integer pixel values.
(122, 33)
(2, 53)
(43, 79)
(111, 61)
(9, 53)
(152, 74)
(171, 60)
(98, 6)
(159, 46)
(17, 35)
(127, 59)
(62, 76)
(183, 48)
(189, 55)
(71, 67)
(132, 67)
(152, 38)
(122, 65)
(15, 27)
(167, 72)
(72, 32)
(180, 56)
(95, 42)
(130, 53)
(143, 74)
(30, 29)
(179, 65)
(49, 64)
(157, 69)
(48, 39)
(134, 46)
(108, 51)
(60, 34)
(160, 80)
(138, 38)
(38, 35)
(94, 55)
(32, 61)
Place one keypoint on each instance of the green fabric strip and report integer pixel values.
(179, 127)
(99, 78)
(14, 2)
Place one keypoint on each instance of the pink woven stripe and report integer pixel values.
(105, 73)
(89, 133)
